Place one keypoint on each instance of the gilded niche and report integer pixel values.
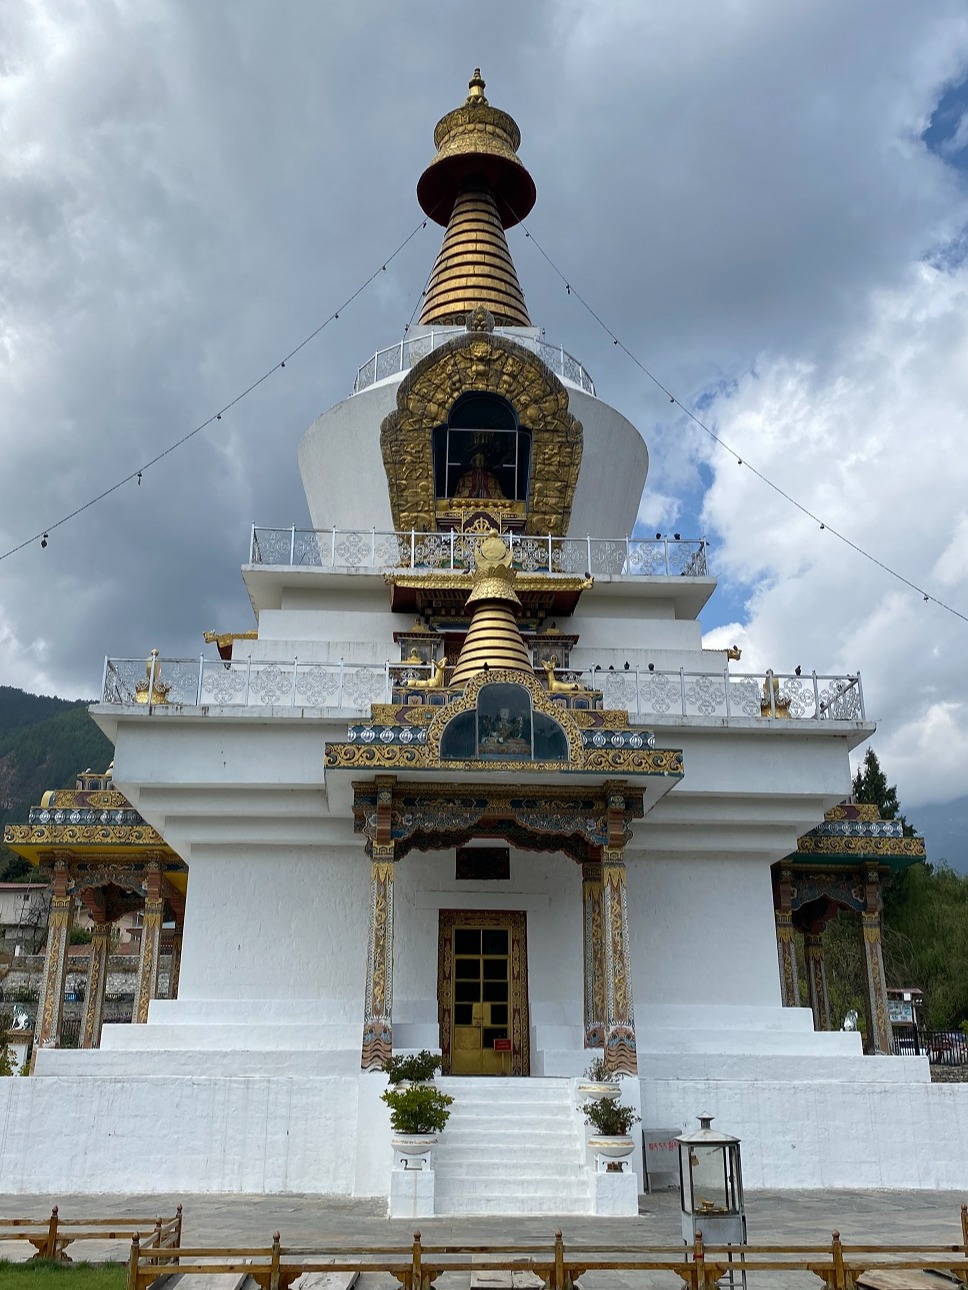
(481, 363)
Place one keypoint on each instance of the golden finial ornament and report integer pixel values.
(477, 187)
(493, 639)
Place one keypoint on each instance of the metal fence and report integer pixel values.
(402, 356)
(645, 693)
(376, 549)
(941, 1047)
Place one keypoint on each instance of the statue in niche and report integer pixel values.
(478, 480)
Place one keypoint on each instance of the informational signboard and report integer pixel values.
(502, 1045)
(661, 1157)
(901, 1012)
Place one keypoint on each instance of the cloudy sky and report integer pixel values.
(766, 202)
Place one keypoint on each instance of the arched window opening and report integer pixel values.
(482, 452)
(503, 727)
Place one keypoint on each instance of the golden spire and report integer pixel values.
(493, 639)
(477, 187)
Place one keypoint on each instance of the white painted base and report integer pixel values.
(615, 1194)
(411, 1193)
(331, 1134)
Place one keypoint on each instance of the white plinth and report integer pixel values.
(615, 1195)
(411, 1193)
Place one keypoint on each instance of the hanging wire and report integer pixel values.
(825, 526)
(138, 472)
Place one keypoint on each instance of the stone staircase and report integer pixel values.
(511, 1145)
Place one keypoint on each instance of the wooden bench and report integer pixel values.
(51, 1237)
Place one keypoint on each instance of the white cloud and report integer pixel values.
(870, 440)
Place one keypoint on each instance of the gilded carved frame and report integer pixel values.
(481, 361)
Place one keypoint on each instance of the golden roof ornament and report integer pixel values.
(477, 187)
(493, 640)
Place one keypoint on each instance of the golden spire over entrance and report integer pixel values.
(477, 187)
(493, 639)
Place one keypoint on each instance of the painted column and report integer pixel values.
(594, 954)
(174, 972)
(97, 977)
(378, 1017)
(817, 980)
(875, 982)
(786, 945)
(59, 924)
(620, 1052)
(147, 987)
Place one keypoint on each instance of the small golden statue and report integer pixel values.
(734, 653)
(159, 689)
(433, 682)
(554, 685)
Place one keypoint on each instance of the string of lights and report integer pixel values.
(44, 535)
(742, 461)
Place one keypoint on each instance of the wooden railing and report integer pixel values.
(51, 1237)
(417, 1266)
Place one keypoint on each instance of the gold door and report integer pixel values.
(480, 1001)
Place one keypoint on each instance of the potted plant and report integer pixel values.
(600, 1084)
(611, 1121)
(416, 1068)
(418, 1113)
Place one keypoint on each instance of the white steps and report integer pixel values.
(511, 1145)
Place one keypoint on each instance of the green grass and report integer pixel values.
(41, 1274)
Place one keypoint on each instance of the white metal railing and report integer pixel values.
(646, 694)
(402, 356)
(375, 549)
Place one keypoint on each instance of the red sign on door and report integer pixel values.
(502, 1045)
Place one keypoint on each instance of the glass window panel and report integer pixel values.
(491, 1033)
(550, 743)
(495, 992)
(494, 940)
(709, 1180)
(463, 1014)
(467, 940)
(467, 992)
(495, 969)
(467, 969)
(499, 1014)
(459, 740)
(503, 722)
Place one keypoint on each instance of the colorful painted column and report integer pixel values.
(378, 1018)
(594, 954)
(875, 982)
(147, 987)
(175, 970)
(620, 1050)
(786, 945)
(97, 977)
(817, 979)
(60, 922)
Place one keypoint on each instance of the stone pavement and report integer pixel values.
(800, 1217)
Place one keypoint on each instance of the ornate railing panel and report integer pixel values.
(402, 356)
(374, 549)
(644, 694)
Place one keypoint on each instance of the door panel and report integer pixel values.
(482, 992)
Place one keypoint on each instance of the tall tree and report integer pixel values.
(870, 786)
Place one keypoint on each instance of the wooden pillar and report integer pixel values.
(620, 1050)
(378, 1018)
(817, 980)
(593, 954)
(174, 972)
(875, 982)
(147, 987)
(786, 945)
(60, 922)
(97, 977)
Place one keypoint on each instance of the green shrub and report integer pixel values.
(598, 1073)
(611, 1119)
(418, 1109)
(415, 1069)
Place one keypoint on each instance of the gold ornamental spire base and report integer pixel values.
(493, 639)
(474, 266)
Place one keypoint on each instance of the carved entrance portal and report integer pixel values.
(482, 992)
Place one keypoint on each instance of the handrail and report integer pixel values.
(385, 549)
(648, 694)
(405, 353)
(50, 1237)
(416, 1266)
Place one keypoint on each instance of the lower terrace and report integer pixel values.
(648, 695)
